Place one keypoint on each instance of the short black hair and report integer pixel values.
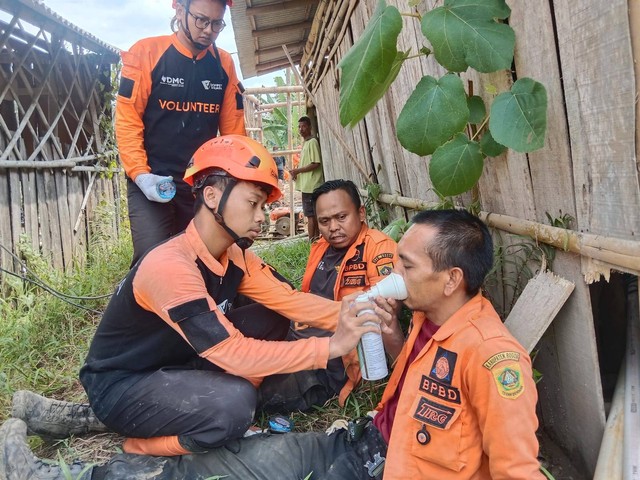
(305, 119)
(331, 185)
(462, 241)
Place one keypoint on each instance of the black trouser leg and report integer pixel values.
(290, 456)
(153, 222)
(203, 407)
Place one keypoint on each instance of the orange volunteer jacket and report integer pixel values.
(170, 102)
(367, 260)
(471, 390)
(172, 304)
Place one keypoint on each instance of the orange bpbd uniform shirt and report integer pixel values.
(467, 407)
(170, 102)
(367, 261)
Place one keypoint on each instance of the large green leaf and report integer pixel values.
(370, 65)
(464, 33)
(435, 111)
(456, 166)
(519, 117)
(477, 110)
(489, 146)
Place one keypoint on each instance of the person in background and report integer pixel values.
(176, 92)
(280, 163)
(460, 403)
(172, 366)
(308, 175)
(349, 257)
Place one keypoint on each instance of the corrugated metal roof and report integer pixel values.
(261, 27)
(39, 14)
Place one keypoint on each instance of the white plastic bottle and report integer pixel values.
(166, 189)
(373, 361)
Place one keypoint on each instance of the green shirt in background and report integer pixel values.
(307, 182)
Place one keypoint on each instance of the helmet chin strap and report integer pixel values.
(185, 29)
(242, 242)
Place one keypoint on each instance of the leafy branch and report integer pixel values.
(463, 34)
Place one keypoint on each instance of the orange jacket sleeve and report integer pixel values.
(237, 354)
(232, 114)
(511, 446)
(135, 87)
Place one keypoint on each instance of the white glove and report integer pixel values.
(148, 183)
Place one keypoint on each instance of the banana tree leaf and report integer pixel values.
(435, 111)
(456, 166)
(370, 65)
(464, 33)
(519, 117)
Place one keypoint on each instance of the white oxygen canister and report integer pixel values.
(373, 361)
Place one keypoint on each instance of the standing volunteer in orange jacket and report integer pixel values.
(459, 405)
(176, 92)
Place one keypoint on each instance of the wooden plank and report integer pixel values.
(570, 393)
(31, 228)
(64, 217)
(51, 198)
(537, 306)
(5, 216)
(599, 85)
(43, 214)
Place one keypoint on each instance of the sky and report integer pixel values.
(122, 22)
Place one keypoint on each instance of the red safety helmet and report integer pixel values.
(174, 3)
(241, 157)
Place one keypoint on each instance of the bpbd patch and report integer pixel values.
(444, 364)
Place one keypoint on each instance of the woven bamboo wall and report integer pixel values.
(582, 52)
(55, 135)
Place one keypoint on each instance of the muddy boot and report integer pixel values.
(54, 418)
(17, 462)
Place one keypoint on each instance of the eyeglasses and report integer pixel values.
(202, 23)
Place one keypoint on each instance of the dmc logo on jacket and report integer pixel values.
(209, 85)
(172, 81)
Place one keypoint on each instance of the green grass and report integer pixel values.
(43, 339)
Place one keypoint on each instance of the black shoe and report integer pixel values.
(54, 418)
(17, 462)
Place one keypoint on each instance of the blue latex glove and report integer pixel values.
(148, 183)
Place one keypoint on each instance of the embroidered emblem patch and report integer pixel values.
(439, 390)
(385, 268)
(509, 380)
(499, 357)
(381, 256)
(433, 413)
(444, 365)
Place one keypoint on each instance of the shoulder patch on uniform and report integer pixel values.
(499, 357)
(381, 256)
(204, 331)
(444, 364)
(385, 268)
(188, 309)
(508, 379)
(126, 87)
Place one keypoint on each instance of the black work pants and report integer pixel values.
(153, 222)
(291, 456)
(200, 403)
